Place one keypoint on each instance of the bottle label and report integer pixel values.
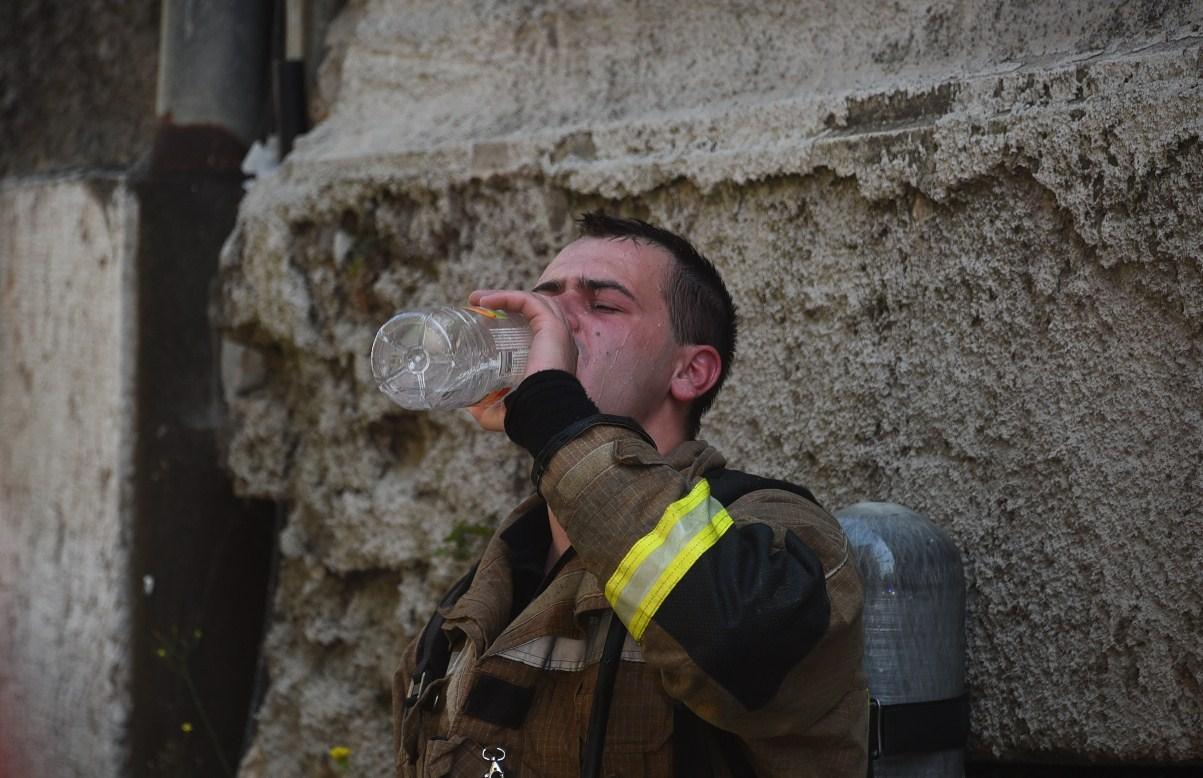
(487, 312)
(513, 347)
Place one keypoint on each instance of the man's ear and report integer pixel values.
(697, 371)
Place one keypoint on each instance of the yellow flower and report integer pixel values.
(340, 754)
(186, 727)
(162, 652)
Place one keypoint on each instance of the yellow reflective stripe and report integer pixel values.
(706, 537)
(660, 559)
(654, 539)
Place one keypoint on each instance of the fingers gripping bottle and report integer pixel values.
(448, 357)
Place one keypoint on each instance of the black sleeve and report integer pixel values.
(542, 406)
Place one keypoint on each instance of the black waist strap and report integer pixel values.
(920, 727)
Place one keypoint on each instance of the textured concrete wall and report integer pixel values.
(966, 241)
(66, 258)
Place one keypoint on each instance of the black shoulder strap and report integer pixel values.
(434, 651)
(727, 485)
(603, 692)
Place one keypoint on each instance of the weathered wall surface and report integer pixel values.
(66, 257)
(76, 94)
(967, 242)
(77, 83)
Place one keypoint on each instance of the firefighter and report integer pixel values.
(647, 611)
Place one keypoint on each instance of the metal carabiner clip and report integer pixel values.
(493, 756)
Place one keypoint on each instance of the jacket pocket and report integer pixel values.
(640, 725)
(440, 755)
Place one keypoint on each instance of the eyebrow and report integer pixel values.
(592, 284)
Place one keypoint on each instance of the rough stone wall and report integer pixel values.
(967, 244)
(66, 257)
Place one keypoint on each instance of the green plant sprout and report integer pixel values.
(174, 650)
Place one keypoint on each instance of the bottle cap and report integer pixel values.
(412, 354)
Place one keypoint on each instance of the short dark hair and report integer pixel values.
(699, 306)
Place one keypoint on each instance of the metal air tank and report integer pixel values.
(914, 640)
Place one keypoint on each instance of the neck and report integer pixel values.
(667, 428)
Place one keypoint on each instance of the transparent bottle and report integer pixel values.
(449, 357)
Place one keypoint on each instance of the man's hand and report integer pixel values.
(552, 345)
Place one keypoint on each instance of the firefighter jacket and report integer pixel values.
(743, 618)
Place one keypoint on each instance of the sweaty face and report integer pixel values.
(612, 293)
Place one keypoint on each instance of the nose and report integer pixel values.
(570, 307)
(574, 321)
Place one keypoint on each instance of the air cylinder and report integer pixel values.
(914, 659)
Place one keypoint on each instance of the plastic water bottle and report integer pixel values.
(449, 357)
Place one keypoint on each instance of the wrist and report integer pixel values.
(543, 405)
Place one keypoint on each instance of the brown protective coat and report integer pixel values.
(608, 488)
